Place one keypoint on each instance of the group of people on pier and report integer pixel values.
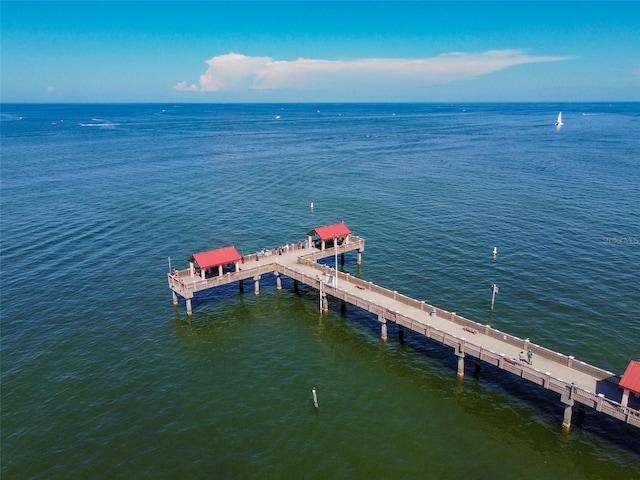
(528, 358)
(265, 252)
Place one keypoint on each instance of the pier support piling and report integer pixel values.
(241, 286)
(568, 402)
(566, 419)
(175, 298)
(383, 328)
(580, 416)
(359, 257)
(343, 308)
(256, 284)
(476, 372)
(189, 310)
(460, 365)
(400, 333)
(278, 281)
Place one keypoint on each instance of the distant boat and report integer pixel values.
(559, 121)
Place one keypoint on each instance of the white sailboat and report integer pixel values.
(559, 121)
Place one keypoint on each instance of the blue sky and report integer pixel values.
(313, 51)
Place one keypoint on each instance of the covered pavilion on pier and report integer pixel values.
(214, 261)
(630, 381)
(337, 232)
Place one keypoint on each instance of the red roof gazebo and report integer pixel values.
(214, 258)
(630, 381)
(329, 232)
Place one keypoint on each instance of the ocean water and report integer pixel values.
(103, 378)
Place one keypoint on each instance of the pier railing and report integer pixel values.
(353, 243)
(183, 283)
(474, 327)
(186, 284)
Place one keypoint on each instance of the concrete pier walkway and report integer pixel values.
(576, 382)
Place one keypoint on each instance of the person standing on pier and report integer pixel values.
(530, 357)
(521, 356)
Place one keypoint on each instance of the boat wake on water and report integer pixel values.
(98, 122)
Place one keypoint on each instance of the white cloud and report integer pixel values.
(234, 72)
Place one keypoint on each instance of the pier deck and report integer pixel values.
(575, 381)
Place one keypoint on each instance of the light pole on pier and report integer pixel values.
(335, 244)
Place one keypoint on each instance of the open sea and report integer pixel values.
(103, 378)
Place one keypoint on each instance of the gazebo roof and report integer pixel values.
(220, 256)
(331, 231)
(631, 378)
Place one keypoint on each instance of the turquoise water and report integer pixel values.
(102, 377)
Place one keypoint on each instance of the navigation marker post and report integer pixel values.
(494, 290)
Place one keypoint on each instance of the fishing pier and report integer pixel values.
(579, 384)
